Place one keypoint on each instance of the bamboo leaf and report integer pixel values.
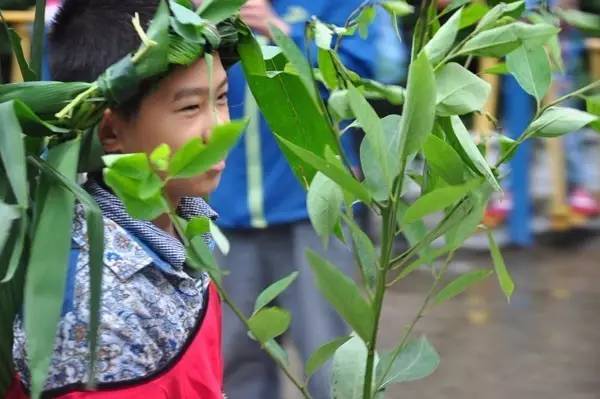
(50, 249)
(343, 294)
(218, 10)
(37, 40)
(42, 98)
(12, 151)
(460, 284)
(15, 41)
(273, 291)
(504, 278)
(322, 355)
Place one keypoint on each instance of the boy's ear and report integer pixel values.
(109, 133)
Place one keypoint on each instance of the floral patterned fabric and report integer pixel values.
(150, 304)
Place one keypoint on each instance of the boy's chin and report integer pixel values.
(201, 186)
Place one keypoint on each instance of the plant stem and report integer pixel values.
(388, 230)
(419, 315)
(226, 298)
(68, 109)
(591, 86)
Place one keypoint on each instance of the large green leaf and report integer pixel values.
(530, 67)
(269, 323)
(556, 121)
(296, 58)
(322, 355)
(332, 170)
(12, 151)
(196, 157)
(419, 108)
(459, 91)
(50, 249)
(343, 294)
(379, 148)
(463, 143)
(441, 43)
(348, 371)
(218, 10)
(417, 360)
(504, 278)
(95, 232)
(460, 284)
(444, 161)
(438, 200)
(43, 98)
(324, 202)
(273, 291)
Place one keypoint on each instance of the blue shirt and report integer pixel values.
(258, 188)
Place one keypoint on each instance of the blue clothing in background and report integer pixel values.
(258, 188)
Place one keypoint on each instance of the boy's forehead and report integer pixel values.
(192, 80)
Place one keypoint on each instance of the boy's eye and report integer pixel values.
(222, 97)
(190, 108)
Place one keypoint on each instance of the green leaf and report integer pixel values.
(338, 103)
(197, 226)
(135, 166)
(585, 21)
(593, 107)
(42, 98)
(95, 232)
(218, 10)
(504, 278)
(296, 58)
(417, 360)
(322, 355)
(460, 284)
(8, 214)
(324, 201)
(499, 10)
(184, 15)
(323, 35)
(441, 43)
(160, 157)
(530, 67)
(50, 250)
(196, 157)
(438, 200)
(462, 141)
(415, 232)
(12, 151)
(459, 91)
(556, 121)
(397, 8)
(365, 19)
(339, 175)
(374, 135)
(419, 108)
(273, 291)
(269, 323)
(220, 239)
(37, 39)
(327, 68)
(472, 14)
(458, 233)
(343, 294)
(365, 251)
(277, 352)
(129, 191)
(347, 380)
(498, 69)
(444, 160)
(15, 41)
(200, 257)
(494, 42)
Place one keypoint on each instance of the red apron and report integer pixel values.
(198, 373)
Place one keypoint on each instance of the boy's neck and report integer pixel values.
(164, 223)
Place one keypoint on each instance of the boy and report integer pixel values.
(160, 326)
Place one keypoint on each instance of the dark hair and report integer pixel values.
(88, 36)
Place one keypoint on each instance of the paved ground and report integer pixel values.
(545, 344)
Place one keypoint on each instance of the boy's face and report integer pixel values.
(175, 112)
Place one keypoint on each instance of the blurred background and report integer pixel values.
(545, 343)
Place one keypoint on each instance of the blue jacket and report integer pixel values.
(258, 188)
